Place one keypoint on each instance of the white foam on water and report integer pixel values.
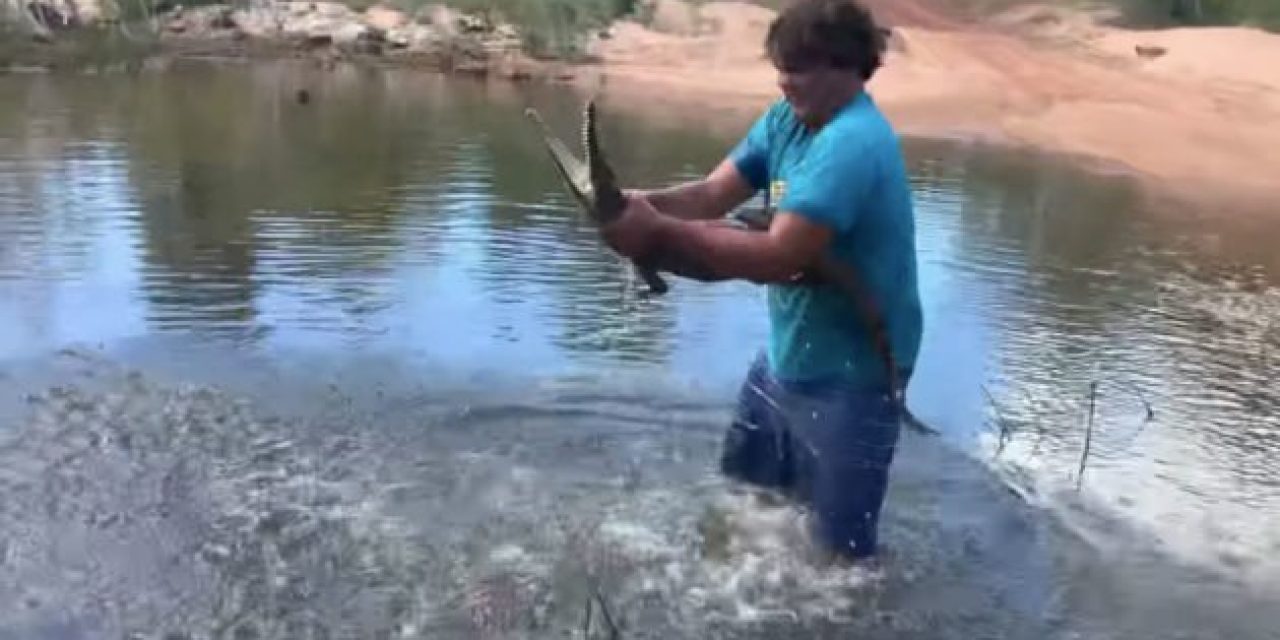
(166, 508)
(178, 509)
(646, 552)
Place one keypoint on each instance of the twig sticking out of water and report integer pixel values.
(1151, 414)
(1040, 430)
(1088, 434)
(1000, 421)
(597, 599)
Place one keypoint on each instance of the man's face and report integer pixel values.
(815, 91)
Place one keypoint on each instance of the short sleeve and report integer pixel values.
(751, 155)
(831, 185)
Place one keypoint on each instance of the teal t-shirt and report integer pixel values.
(850, 176)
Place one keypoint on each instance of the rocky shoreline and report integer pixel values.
(435, 37)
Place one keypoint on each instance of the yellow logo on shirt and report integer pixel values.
(777, 189)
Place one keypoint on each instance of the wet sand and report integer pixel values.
(1198, 123)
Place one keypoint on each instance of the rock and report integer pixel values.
(474, 23)
(216, 17)
(477, 68)
(1149, 51)
(517, 75)
(501, 40)
(201, 21)
(414, 38)
(672, 16)
(52, 15)
(312, 23)
(443, 19)
(347, 33)
(515, 66)
(370, 42)
(506, 32)
(399, 38)
(895, 41)
(65, 14)
(385, 18)
(90, 11)
(258, 22)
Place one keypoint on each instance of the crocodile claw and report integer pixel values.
(592, 181)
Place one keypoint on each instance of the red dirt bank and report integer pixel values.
(1201, 121)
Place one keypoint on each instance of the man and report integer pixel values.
(816, 417)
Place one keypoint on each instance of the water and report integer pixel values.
(355, 369)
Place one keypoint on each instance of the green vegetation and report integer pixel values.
(1258, 13)
(1151, 13)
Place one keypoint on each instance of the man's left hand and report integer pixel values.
(635, 233)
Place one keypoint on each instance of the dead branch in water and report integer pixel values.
(1000, 422)
(1040, 430)
(1151, 414)
(596, 599)
(1148, 411)
(1088, 433)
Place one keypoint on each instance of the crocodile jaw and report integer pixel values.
(609, 203)
(574, 172)
(593, 183)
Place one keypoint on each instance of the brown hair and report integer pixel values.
(835, 33)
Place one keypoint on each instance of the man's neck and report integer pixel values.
(838, 102)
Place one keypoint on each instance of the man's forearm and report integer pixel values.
(725, 251)
(687, 201)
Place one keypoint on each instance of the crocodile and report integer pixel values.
(594, 185)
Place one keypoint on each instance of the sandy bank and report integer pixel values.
(1201, 121)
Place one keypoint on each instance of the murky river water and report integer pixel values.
(353, 369)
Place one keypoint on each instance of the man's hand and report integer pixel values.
(634, 234)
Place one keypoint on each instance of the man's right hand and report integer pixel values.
(635, 232)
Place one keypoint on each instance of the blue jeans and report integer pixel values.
(824, 444)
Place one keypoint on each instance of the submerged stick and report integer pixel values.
(1088, 434)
